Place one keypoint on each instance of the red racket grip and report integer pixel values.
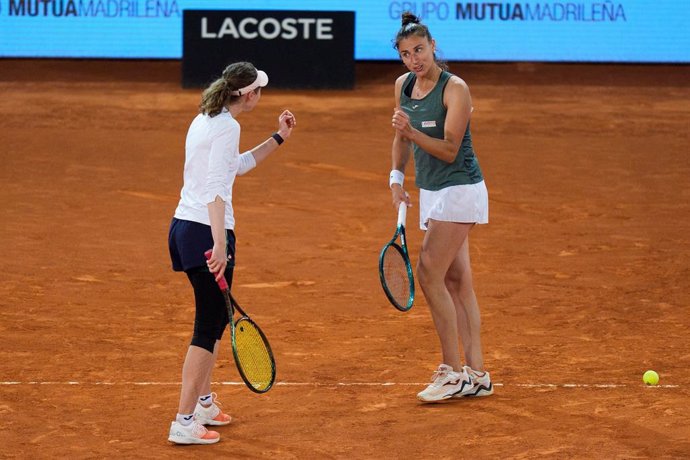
(222, 283)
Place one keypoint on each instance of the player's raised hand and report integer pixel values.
(286, 122)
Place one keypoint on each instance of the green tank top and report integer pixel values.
(428, 115)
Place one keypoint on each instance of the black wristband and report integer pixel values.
(278, 138)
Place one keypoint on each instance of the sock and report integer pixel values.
(185, 419)
(206, 400)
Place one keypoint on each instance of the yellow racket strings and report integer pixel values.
(253, 356)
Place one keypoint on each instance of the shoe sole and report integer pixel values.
(480, 392)
(445, 397)
(188, 441)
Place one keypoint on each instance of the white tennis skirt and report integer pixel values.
(457, 203)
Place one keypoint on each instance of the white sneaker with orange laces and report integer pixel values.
(211, 415)
(194, 433)
(445, 384)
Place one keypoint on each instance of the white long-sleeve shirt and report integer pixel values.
(212, 161)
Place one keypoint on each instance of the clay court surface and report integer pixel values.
(583, 274)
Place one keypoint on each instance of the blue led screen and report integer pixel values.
(577, 31)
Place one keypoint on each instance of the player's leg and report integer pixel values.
(441, 243)
(221, 313)
(186, 429)
(459, 283)
(211, 320)
(463, 324)
(206, 387)
(195, 370)
(207, 410)
(187, 241)
(198, 366)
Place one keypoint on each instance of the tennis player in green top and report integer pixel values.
(432, 120)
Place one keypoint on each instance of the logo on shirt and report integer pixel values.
(429, 124)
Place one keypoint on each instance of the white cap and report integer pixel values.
(261, 80)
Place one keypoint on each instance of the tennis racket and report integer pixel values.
(252, 352)
(395, 269)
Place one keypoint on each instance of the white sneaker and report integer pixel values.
(445, 384)
(211, 415)
(194, 433)
(481, 383)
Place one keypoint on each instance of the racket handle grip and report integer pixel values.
(222, 283)
(402, 213)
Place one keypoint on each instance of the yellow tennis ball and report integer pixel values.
(650, 378)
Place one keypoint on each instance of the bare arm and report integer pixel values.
(457, 99)
(400, 153)
(216, 215)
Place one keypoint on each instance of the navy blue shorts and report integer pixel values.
(188, 241)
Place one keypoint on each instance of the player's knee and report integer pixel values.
(206, 333)
(205, 342)
(211, 316)
(458, 278)
(452, 284)
(453, 279)
(425, 272)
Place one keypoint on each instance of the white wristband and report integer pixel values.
(396, 177)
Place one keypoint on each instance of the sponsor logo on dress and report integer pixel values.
(429, 124)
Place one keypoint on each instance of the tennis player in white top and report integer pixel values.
(204, 219)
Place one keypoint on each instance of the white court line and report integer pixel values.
(341, 384)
